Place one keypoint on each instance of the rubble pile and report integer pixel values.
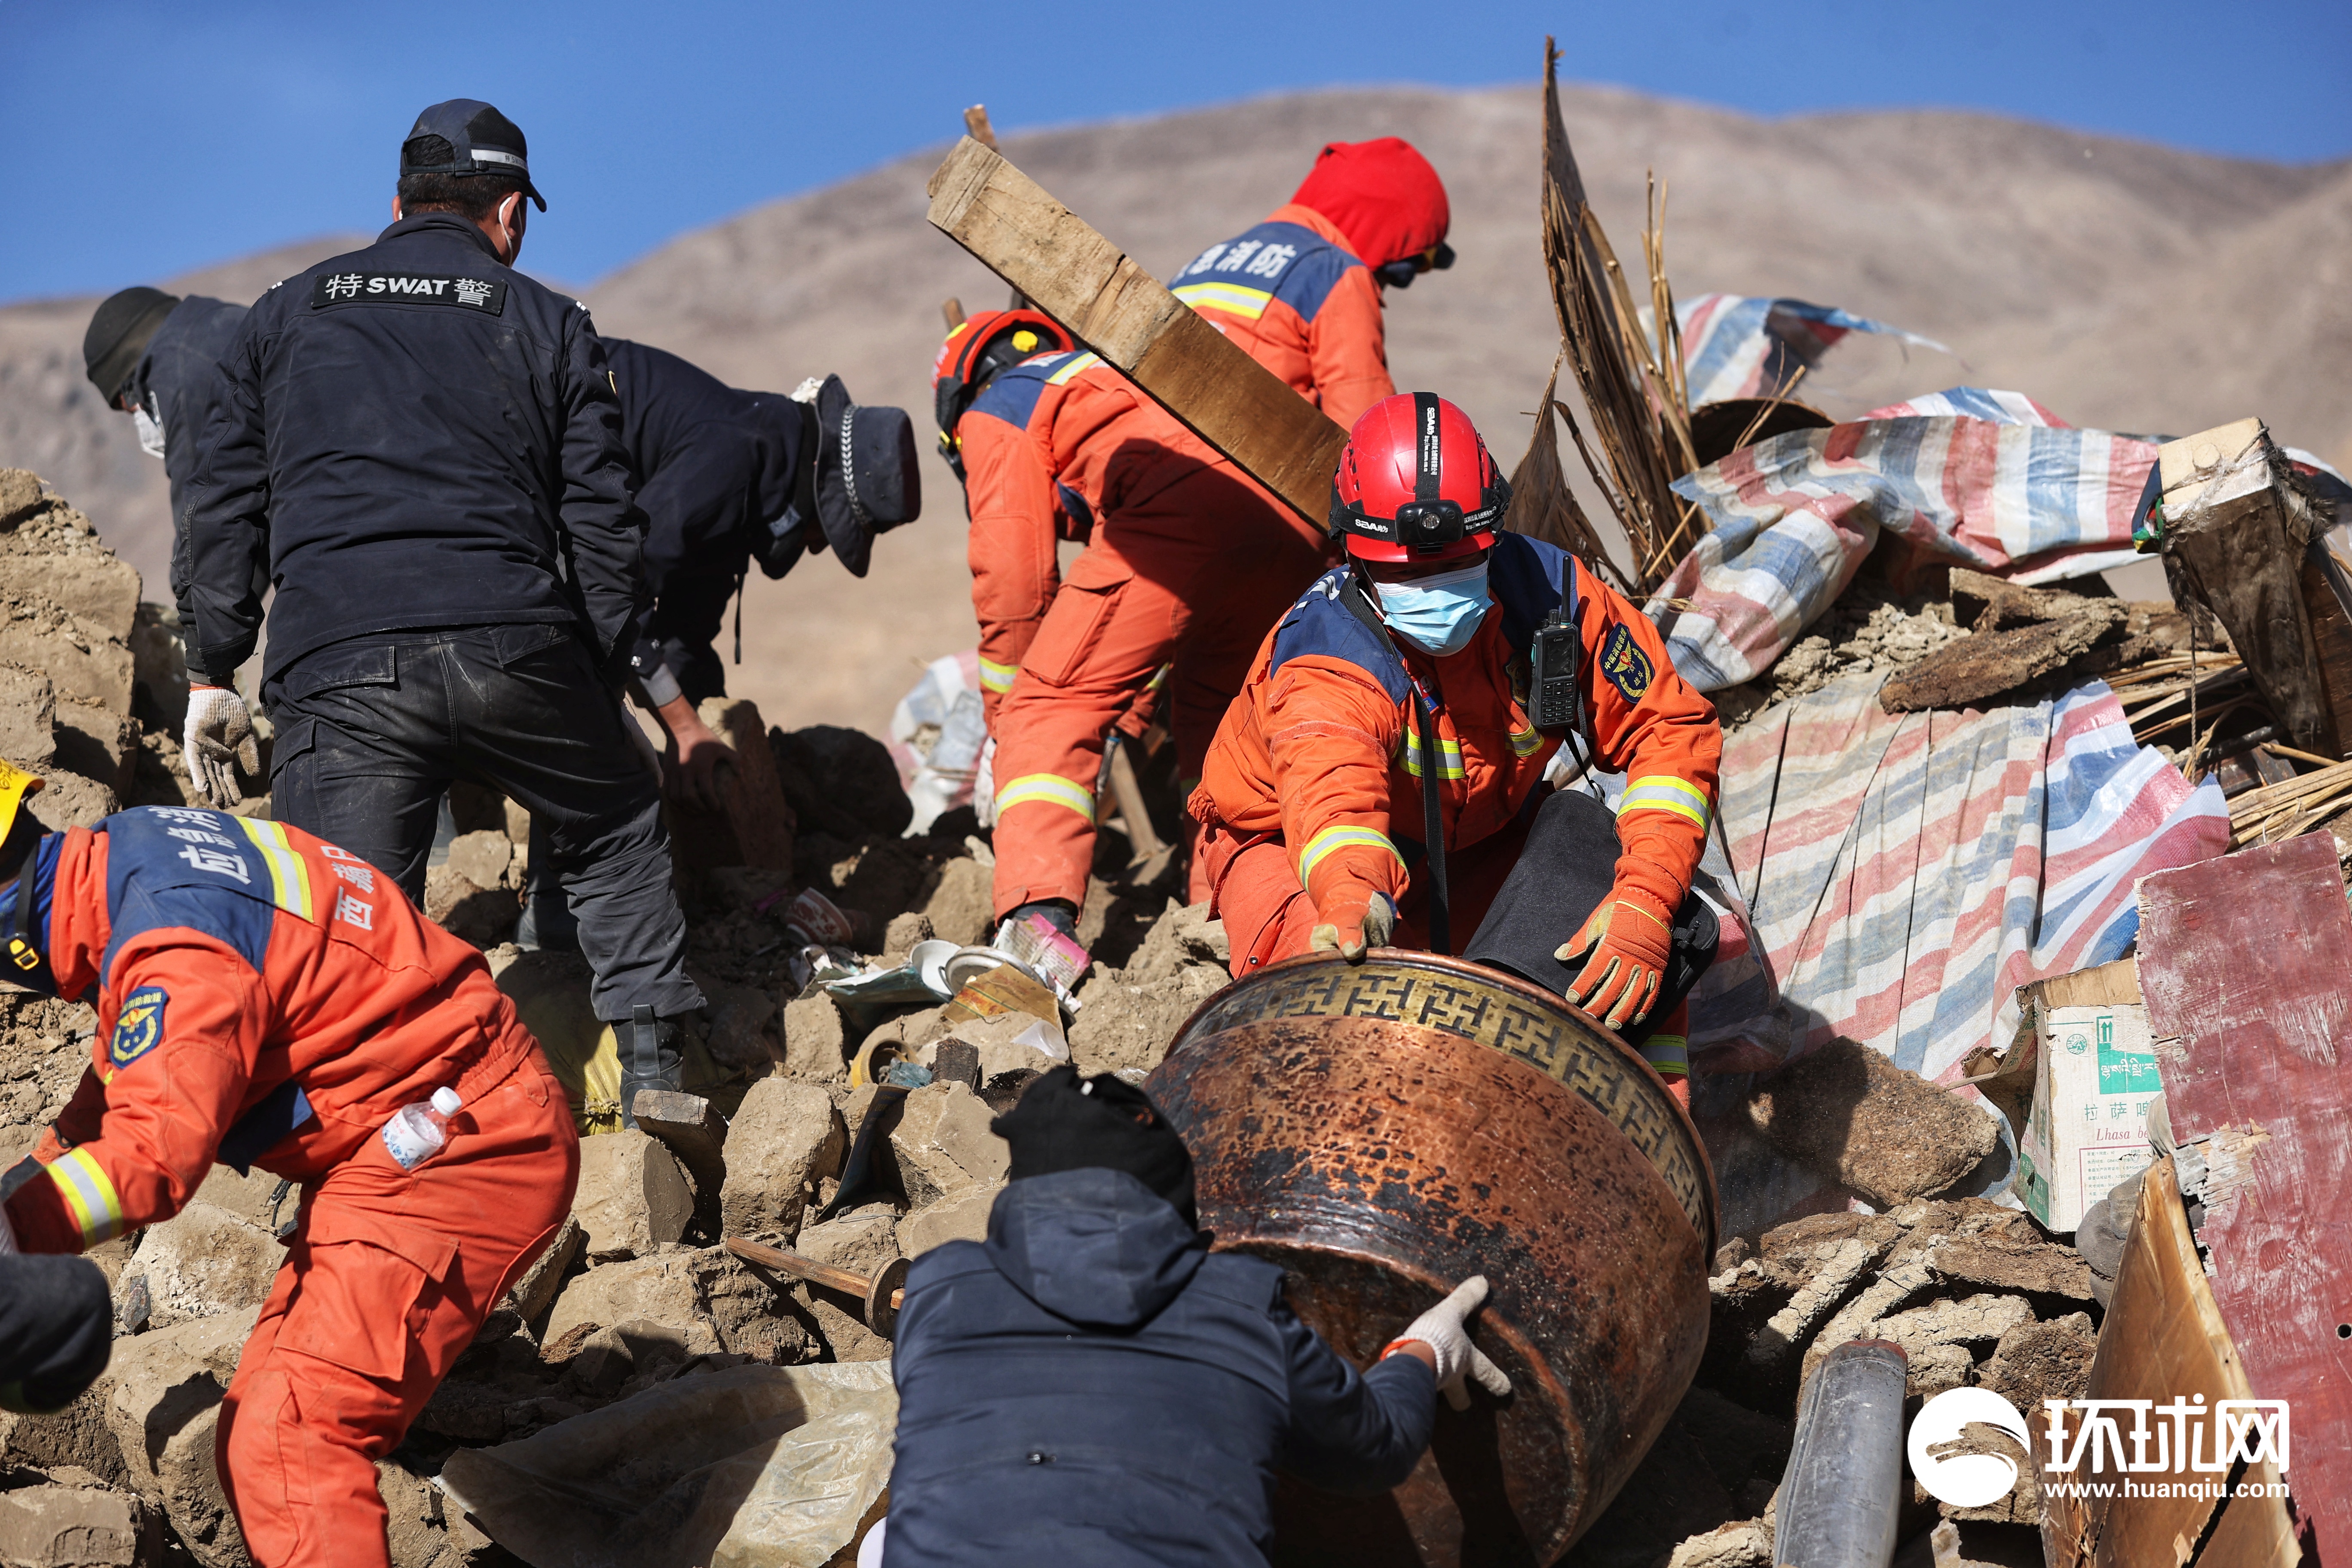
(639, 1292)
(704, 1280)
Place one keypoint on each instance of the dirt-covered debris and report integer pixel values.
(1847, 1113)
(1870, 628)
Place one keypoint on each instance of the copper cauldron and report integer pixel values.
(1383, 1130)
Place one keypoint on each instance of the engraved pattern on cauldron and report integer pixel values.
(1365, 1131)
(1492, 1014)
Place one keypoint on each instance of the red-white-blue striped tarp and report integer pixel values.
(1987, 479)
(1906, 873)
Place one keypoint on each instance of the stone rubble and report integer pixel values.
(637, 1292)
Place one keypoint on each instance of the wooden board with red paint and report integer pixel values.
(2246, 965)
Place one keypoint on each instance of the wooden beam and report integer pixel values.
(1087, 284)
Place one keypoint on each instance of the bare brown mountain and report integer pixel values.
(2125, 286)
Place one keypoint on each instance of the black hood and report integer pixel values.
(1094, 1245)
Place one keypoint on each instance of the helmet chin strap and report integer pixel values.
(22, 957)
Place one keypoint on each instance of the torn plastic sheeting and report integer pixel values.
(1741, 346)
(756, 1467)
(1907, 872)
(1793, 516)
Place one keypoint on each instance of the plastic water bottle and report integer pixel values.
(417, 1133)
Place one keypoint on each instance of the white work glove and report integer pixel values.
(1441, 1330)
(219, 741)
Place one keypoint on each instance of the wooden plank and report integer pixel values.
(2246, 963)
(2163, 1338)
(1088, 285)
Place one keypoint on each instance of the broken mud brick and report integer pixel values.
(1850, 1115)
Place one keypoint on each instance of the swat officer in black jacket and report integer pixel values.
(428, 444)
(157, 357)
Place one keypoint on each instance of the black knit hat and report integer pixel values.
(1063, 1123)
(118, 336)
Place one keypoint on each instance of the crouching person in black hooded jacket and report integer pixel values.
(1092, 1385)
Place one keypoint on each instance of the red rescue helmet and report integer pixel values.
(1416, 483)
(982, 346)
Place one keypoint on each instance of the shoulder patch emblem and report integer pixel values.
(1626, 666)
(139, 1028)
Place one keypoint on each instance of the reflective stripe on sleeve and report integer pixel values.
(1082, 363)
(1670, 1053)
(997, 677)
(1449, 752)
(290, 873)
(1230, 298)
(1526, 742)
(1664, 793)
(89, 1195)
(1331, 838)
(1046, 789)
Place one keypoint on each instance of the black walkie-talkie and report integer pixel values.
(1553, 702)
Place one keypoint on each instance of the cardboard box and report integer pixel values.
(2094, 1066)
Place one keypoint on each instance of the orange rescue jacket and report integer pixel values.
(1322, 747)
(1293, 293)
(264, 998)
(1052, 444)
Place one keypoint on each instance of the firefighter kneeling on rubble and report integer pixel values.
(266, 999)
(1091, 1384)
(1417, 657)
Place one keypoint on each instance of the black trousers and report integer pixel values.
(372, 732)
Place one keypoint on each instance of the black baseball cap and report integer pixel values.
(466, 136)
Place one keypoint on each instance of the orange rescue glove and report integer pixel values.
(1629, 937)
(1353, 919)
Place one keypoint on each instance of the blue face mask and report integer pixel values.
(1438, 614)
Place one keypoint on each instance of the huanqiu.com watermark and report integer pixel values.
(2100, 1447)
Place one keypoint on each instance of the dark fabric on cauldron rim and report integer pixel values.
(1566, 870)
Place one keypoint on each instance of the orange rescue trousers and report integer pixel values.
(1195, 574)
(1252, 884)
(382, 1288)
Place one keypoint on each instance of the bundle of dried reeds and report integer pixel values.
(1632, 387)
(2295, 806)
(1543, 507)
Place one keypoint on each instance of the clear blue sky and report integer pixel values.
(143, 139)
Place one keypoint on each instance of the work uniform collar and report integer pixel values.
(454, 223)
(39, 882)
(1307, 217)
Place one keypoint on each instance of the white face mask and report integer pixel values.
(1438, 614)
(150, 431)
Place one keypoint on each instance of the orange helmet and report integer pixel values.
(1416, 483)
(979, 346)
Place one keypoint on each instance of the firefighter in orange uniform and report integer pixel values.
(1302, 291)
(1416, 658)
(267, 1000)
(1187, 560)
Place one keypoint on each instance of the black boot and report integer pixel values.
(653, 1053)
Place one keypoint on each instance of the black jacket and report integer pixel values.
(423, 438)
(1092, 1385)
(177, 381)
(713, 464)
